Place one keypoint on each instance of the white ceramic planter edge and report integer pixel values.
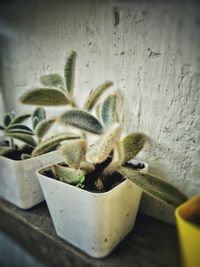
(93, 222)
(19, 183)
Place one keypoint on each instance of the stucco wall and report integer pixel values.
(150, 49)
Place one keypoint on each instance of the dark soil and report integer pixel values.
(95, 183)
(16, 154)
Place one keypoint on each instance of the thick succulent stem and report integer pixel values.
(102, 149)
(12, 143)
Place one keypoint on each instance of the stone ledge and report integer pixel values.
(151, 243)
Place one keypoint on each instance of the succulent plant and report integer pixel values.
(33, 139)
(81, 161)
(13, 128)
(58, 91)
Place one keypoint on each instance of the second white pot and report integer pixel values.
(93, 222)
(18, 181)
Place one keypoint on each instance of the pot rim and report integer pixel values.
(39, 173)
(29, 159)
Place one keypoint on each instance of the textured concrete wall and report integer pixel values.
(150, 49)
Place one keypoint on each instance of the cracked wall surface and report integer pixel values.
(150, 49)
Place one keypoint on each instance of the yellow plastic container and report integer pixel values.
(189, 232)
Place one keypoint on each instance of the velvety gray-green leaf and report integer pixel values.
(9, 117)
(19, 128)
(132, 145)
(104, 146)
(43, 127)
(69, 72)
(67, 175)
(35, 122)
(22, 137)
(109, 110)
(52, 80)
(95, 95)
(2, 127)
(82, 120)
(154, 186)
(21, 119)
(39, 113)
(47, 145)
(74, 153)
(45, 97)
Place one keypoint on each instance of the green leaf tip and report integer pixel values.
(43, 127)
(69, 72)
(9, 117)
(19, 128)
(45, 97)
(95, 95)
(82, 120)
(154, 186)
(22, 137)
(109, 110)
(21, 119)
(133, 144)
(52, 142)
(66, 174)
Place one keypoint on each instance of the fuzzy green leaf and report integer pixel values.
(2, 127)
(39, 113)
(35, 122)
(82, 120)
(9, 117)
(43, 127)
(154, 186)
(69, 72)
(109, 110)
(25, 156)
(45, 97)
(117, 160)
(52, 142)
(102, 149)
(132, 145)
(52, 80)
(67, 175)
(19, 128)
(22, 137)
(21, 119)
(95, 95)
(73, 153)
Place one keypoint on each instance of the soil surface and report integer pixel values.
(95, 183)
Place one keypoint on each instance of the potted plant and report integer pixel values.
(93, 196)
(188, 222)
(18, 163)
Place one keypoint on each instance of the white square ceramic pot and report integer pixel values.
(93, 222)
(18, 180)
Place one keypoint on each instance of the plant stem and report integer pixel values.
(12, 145)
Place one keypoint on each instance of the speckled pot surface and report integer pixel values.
(18, 181)
(93, 222)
